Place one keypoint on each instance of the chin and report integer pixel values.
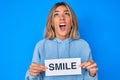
(63, 35)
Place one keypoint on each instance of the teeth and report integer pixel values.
(62, 24)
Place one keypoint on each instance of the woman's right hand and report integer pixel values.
(35, 69)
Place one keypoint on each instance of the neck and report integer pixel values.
(62, 37)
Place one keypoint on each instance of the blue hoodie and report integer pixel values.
(58, 49)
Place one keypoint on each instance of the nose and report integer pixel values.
(62, 17)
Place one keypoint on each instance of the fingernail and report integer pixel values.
(46, 67)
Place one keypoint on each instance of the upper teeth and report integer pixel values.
(62, 24)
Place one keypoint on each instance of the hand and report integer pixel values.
(91, 66)
(35, 69)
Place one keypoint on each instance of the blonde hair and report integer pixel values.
(49, 31)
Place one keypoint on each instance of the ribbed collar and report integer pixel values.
(67, 40)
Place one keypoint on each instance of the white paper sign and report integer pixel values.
(67, 66)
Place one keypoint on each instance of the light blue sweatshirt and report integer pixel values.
(58, 49)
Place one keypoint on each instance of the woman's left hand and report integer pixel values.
(91, 66)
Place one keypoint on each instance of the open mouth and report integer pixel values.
(62, 26)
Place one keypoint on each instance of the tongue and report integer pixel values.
(62, 28)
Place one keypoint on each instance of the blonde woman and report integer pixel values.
(62, 41)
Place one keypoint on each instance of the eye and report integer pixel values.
(56, 14)
(68, 14)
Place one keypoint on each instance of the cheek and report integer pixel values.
(69, 23)
(68, 20)
(69, 28)
(56, 25)
(55, 22)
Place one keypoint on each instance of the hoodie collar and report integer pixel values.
(67, 40)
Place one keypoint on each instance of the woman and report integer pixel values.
(62, 41)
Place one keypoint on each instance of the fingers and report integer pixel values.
(38, 67)
(33, 73)
(91, 66)
(35, 69)
(93, 70)
(88, 64)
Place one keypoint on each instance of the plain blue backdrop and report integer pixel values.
(22, 24)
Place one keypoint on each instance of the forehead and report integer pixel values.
(61, 8)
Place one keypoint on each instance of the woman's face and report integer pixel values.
(62, 22)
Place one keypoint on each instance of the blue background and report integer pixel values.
(22, 24)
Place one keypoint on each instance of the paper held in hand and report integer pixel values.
(67, 66)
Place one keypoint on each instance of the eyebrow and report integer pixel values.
(64, 11)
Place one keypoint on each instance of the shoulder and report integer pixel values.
(81, 41)
(42, 42)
